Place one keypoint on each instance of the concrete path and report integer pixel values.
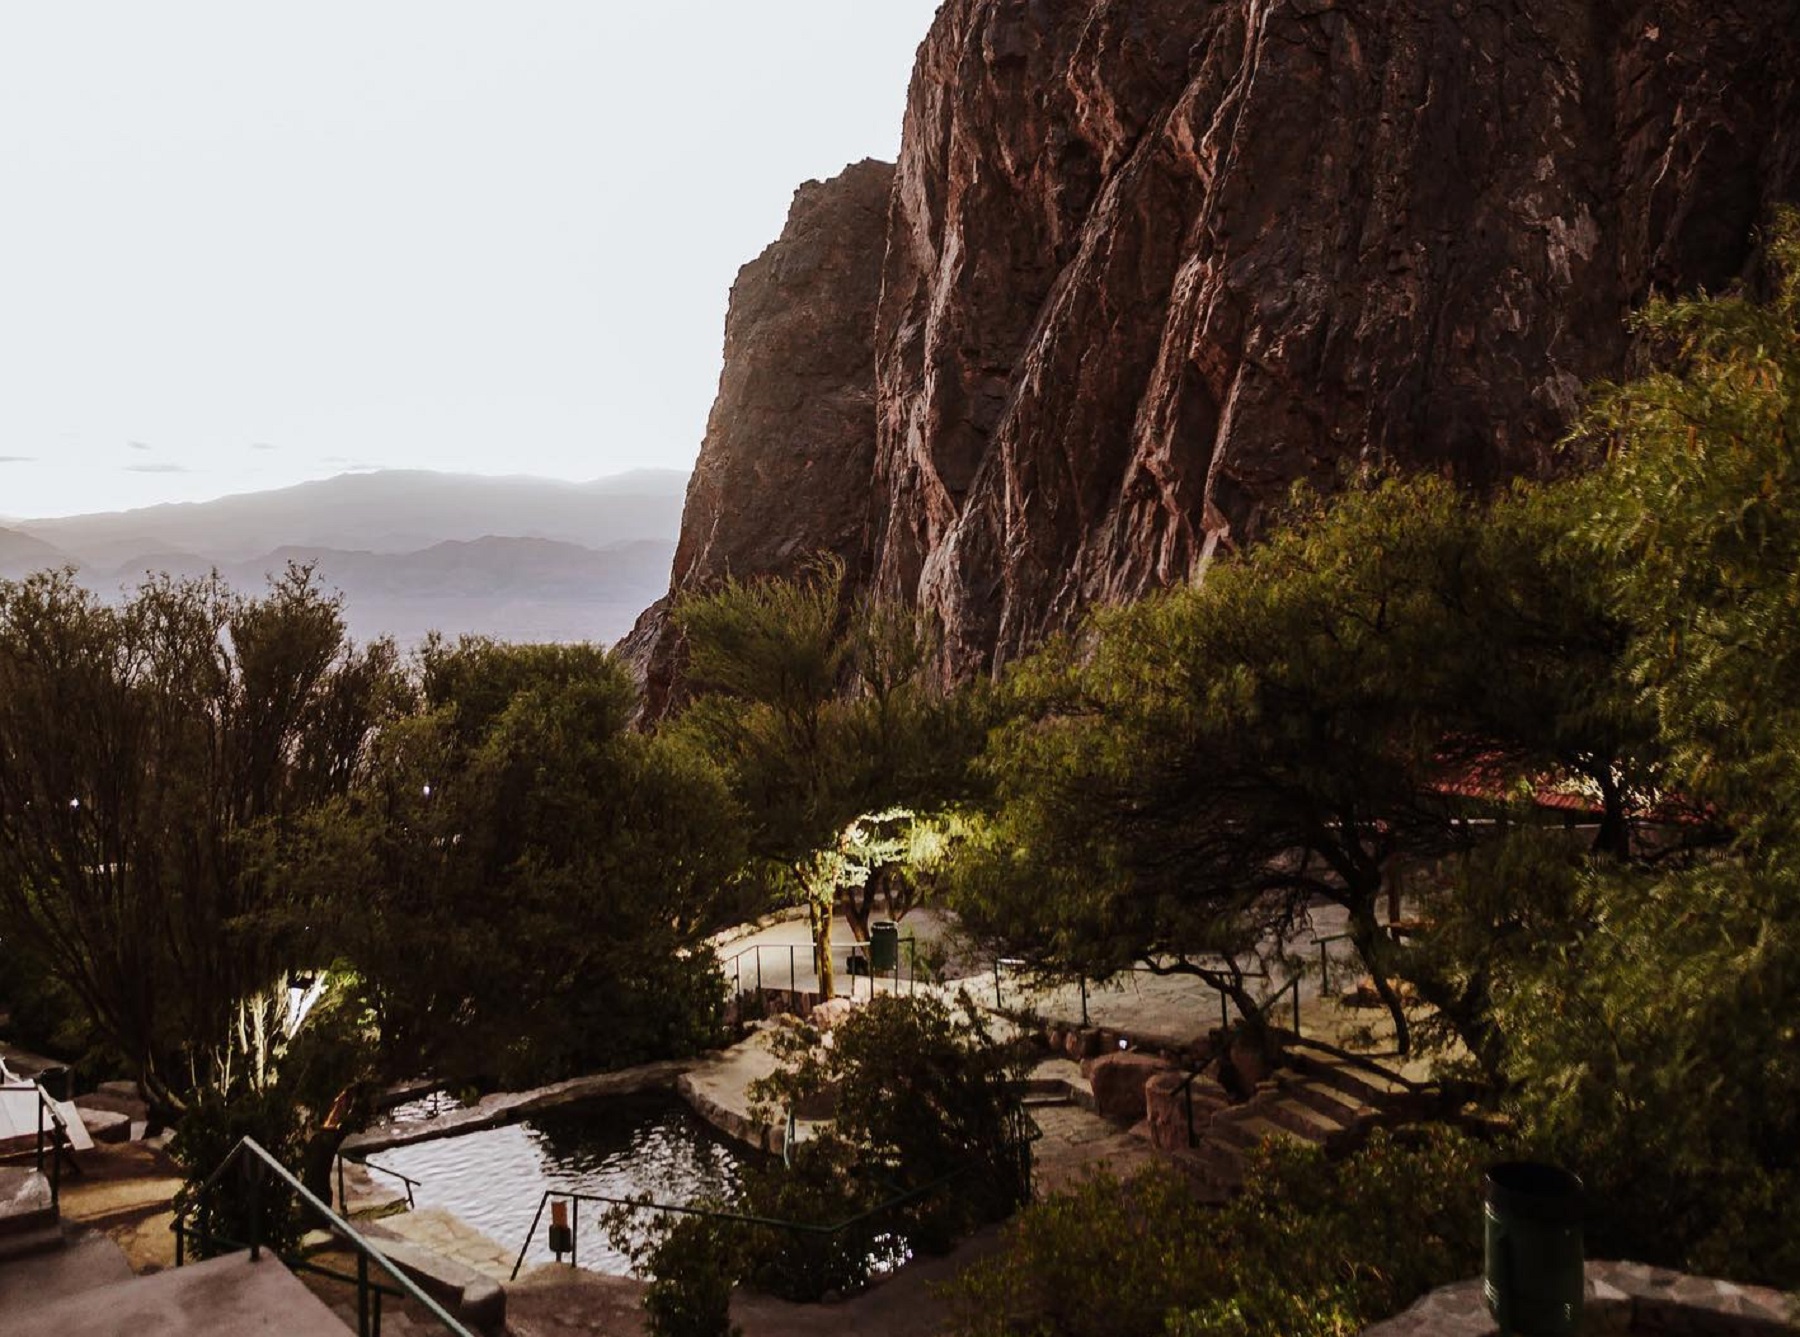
(222, 1297)
(88, 1260)
(1173, 1010)
(1078, 1143)
(778, 954)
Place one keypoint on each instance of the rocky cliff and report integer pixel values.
(1147, 262)
(784, 473)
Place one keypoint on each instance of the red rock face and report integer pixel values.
(1148, 262)
(784, 472)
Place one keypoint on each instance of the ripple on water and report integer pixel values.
(620, 1147)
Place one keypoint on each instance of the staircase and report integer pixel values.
(62, 1283)
(1321, 1097)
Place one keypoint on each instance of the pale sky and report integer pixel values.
(247, 244)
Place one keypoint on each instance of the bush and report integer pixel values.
(823, 1186)
(925, 1112)
(206, 1135)
(923, 1092)
(694, 1265)
(1309, 1249)
(323, 1071)
(1655, 1055)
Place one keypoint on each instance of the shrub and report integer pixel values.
(694, 1265)
(1309, 1249)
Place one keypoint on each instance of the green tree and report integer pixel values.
(1697, 515)
(921, 1092)
(1214, 758)
(532, 878)
(1177, 786)
(146, 751)
(925, 1143)
(822, 712)
(1654, 1050)
(1540, 645)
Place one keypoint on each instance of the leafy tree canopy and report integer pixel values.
(1696, 512)
(534, 877)
(146, 749)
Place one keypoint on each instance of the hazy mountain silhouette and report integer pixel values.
(386, 511)
(21, 553)
(523, 559)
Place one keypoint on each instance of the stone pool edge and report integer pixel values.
(671, 1076)
(504, 1107)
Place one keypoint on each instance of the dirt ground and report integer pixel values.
(125, 1191)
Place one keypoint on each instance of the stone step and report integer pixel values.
(81, 1261)
(1297, 1117)
(1333, 1102)
(106, 1125)
(477, 1300)
(222, 1297)
(1219, 1162)
(1247, 1131)
(131, 1106)
(1060, 1082)
(17, 1244)
(1366, 1083)
(25, 1203)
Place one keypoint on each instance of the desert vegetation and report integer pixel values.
(219, 817)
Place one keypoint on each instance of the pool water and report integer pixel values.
(621, 1147)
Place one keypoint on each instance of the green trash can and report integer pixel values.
(884, 947)
(1534, 1273)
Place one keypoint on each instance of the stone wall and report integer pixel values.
(1621, 1298)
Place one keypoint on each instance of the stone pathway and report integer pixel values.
(443, 1233)
(119, 1185)
(1078, 1143)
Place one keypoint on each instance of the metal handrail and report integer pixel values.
(1325, 959)
(735, 964)
(713, 1213)
(366, 1253)
(408, 1180)
(60, 1142)
(1293, 987)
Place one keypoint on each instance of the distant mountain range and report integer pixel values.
(525, 559)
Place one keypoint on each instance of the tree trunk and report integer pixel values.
(821, 927)
(1614, 836)
(1365, 933)
(856, 914)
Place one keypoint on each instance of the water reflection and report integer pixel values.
(620, 1147)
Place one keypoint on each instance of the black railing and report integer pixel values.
(407, 1180)
(575, 1199)
(751, 976)
(1325, 960)
(52, 1137)
(255, 1165)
